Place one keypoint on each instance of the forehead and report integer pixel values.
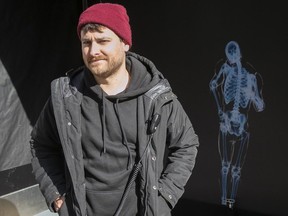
(98, 31)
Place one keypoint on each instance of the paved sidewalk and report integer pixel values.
(46, 213)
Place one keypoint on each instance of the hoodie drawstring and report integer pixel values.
(103, 122)
(123, 134)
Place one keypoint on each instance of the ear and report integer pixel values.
(126, 47)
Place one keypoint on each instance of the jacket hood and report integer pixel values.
(144, 74)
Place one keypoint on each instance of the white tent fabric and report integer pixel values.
(14, 128)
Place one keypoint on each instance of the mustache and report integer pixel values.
(92, 59)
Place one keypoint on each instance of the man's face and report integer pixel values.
(103, 52)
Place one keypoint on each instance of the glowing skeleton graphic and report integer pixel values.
(234, 89)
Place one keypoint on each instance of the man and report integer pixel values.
(112, 139)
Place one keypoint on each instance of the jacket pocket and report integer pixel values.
(67, 207)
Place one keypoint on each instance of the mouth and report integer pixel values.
(95, 61)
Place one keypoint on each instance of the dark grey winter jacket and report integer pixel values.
(57, 155)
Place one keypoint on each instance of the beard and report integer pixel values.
(106, 68)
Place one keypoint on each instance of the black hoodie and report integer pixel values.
(109, 137)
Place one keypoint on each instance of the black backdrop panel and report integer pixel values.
(35, 46)
(185, 39)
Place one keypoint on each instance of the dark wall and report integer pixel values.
(185, 39)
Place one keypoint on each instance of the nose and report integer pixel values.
(94, 49)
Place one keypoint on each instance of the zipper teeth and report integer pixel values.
(146, 186)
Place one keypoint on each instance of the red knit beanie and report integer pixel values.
(113, 16)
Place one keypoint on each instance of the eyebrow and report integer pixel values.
(103, 38)
(97, 38)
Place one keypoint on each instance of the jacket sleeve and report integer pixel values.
(182, 145)
(47, 157)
